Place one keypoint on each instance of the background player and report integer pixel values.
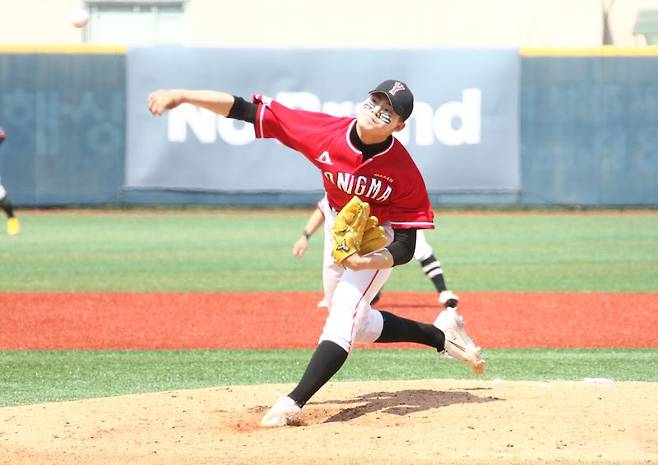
(423, 253)
(13, 225)
(355, 156)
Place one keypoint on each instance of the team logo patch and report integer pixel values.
(343, 246)
(396, 88)
(325, 158)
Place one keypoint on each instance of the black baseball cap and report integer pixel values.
(399, 94)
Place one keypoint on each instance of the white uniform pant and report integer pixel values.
(351, 318)
(3, 192)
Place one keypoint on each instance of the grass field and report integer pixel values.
(40, 376)
(243, 251)
(247, 251)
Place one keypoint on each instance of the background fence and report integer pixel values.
(589, 127)
(64, 115)
(586, 129)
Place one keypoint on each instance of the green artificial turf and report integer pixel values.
(42, 376)
(248, 251)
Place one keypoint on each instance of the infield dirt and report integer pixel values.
(401, 422)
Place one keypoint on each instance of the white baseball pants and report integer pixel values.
(351, 318)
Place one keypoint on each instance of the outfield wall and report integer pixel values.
(589, 127)
(587, 123)
(64, 115)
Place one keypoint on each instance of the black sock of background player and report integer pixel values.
(6, 205)
(325, 362)
(398, 329)
(432, 268)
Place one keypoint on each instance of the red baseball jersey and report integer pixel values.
(389, 181)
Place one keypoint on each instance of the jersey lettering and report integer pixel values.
(375, 186)
(330, 177)
(360, 185)
(344, 182)
(386, 194)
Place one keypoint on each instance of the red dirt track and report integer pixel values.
(227, 320)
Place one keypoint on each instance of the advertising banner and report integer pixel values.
(463, 133)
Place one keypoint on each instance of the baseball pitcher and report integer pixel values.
(376, 201)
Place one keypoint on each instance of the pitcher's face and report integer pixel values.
(376, 116)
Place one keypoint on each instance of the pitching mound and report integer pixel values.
(402, 422)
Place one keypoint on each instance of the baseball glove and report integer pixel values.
(373, 237)
(348, 229)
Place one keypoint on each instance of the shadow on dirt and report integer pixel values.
(403, 402)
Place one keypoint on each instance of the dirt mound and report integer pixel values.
(399, 422)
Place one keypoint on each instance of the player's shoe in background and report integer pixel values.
(13, 226)
(458, 344)
(448, 299)
(283, 412)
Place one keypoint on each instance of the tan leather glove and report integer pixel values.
(374, 237)
(348, 229)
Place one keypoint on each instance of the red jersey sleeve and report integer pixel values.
(412, 209)
(300, 130)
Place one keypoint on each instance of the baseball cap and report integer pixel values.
(399, 94)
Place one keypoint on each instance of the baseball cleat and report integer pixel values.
(283, 412)
(13, 226)
(458, 344)
(448, 299)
